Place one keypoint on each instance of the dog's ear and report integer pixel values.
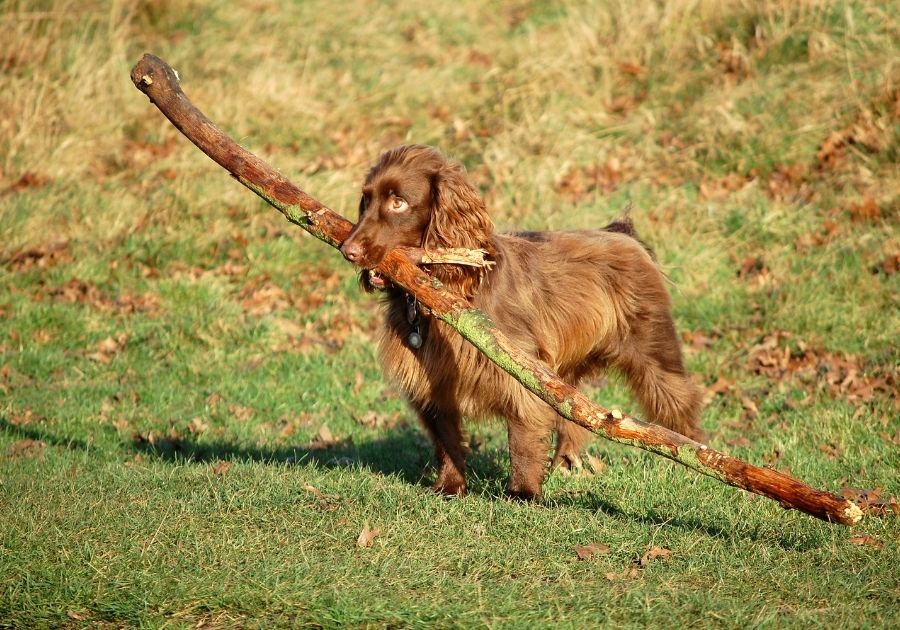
(458, 216)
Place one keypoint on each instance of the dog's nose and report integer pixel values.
(352, 250)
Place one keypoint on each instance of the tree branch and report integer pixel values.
(160, 83)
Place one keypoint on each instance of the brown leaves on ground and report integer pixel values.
(868, 132)
(652, 554)
(629, 573)
(827, 232)
(28, 449)
(262, 296)
(633, 571)
(723, 186)
(325, 439)
(107, 349)
(375, 420)
(580, 182)
(753, 268)
(367, 535)
(871, 502)
(585, 552)
(76, 291)
(329, 333)
(42, 256)
(23, 418)
(241, 413)
(324, 501)
(864, 539)
(839, 375)
(721, 387)
(789, 183)
(27, 181)
(889, 265)
(698, 339)
(865, 210)
(332, 326)
(198, 426)
(286, 426)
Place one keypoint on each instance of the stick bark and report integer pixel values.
(159, 82)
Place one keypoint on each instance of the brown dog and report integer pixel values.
(578, 301)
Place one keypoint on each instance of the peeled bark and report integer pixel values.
(160, 83)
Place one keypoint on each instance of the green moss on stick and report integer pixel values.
(478, 328)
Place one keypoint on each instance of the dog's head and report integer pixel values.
(414, 197)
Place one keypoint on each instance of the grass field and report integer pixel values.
(194, 431)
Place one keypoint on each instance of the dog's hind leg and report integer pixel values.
(570, 441)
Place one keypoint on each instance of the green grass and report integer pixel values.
(182, 323)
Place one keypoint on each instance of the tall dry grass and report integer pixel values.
(666, 97)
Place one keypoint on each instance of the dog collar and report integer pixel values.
(414, 319)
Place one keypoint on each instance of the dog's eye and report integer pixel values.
(397, 204)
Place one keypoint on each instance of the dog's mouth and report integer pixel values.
(376, 279)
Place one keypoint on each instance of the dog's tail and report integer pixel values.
(624, 225)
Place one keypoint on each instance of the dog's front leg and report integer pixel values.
(445, 428)
(529, 438)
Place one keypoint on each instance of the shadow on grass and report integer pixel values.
(401, 451)
(34, 432)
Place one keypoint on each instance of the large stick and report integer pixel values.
(160, 83)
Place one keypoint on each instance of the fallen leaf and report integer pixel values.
(221, 468)
(478, 58)
(627, 574)
(719, 188)
(261, 296)
(313, 490)
(42, 256)
(870, 500)
(28, 180)
(377, 420)
(788, 183)
(721, 385)
(866, 210)
(198, 426)
(889, 266)
(652, 554)
(831, 450)
(28, 448)
(358, 382)
(287, 326)
(630, 67)
(212, 401)
(324, 435)
(752, 267)
(366, 536)
(241, 413)
(696, 339)
(579, 182)
(751, 411)
(864, 539)
(584, 552)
